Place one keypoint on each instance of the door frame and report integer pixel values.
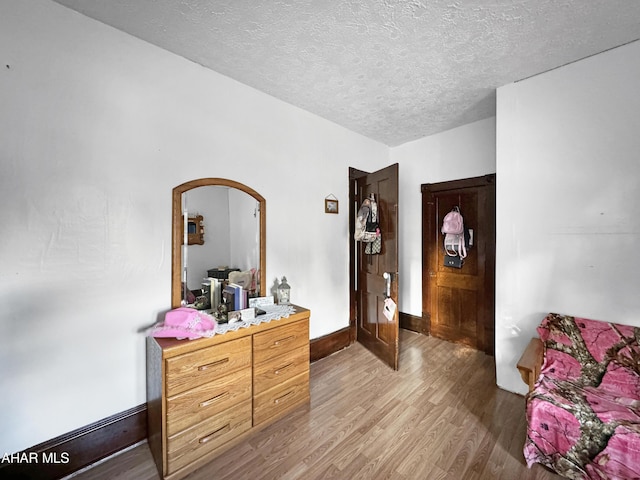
(354, 175)
(428, 226)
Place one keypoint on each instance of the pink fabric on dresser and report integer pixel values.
(584, 413)
(185, 322)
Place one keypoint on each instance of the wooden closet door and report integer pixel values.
(459, 302)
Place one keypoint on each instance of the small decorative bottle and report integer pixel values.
(284, 292)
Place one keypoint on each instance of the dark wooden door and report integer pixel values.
(373, 329)
(459, 303)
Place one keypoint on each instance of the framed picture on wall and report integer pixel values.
(330, 205)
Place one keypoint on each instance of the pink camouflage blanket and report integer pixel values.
(584, 413)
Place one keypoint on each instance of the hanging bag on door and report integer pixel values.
(367, 226)
(361, 221)
(454, 241)
(374, 246)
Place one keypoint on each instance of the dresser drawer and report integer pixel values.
(191, 444)
(277, 400)
(276, 370)
(193, 406)
(272, 343)
(202, 366)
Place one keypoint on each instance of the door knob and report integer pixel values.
(387, 284)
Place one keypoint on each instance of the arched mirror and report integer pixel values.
(219, 225)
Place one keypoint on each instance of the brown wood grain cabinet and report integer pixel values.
(204, 396)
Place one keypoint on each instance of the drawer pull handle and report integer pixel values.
(282, 340)
(206, 403)
(279, 399)
(281, 369)
(202, 368)
(218, 432)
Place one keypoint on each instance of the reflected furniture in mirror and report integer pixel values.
(205, 396)
(195, 230)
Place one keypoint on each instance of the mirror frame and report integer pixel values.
(178, 234)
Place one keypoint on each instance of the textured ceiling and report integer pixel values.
(392, 70)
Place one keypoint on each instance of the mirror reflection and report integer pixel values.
(229, 218)
(231, 240)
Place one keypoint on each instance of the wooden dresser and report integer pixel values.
(204, 396)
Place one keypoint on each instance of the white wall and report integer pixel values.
(244, 230)
(467, 151)
(96, 128)
(568, 190)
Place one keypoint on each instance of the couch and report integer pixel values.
(583, 407)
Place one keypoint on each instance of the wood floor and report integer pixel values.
(440, 417)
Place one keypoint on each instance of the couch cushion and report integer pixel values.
(584, 413)
(592, 352)
(553, 429)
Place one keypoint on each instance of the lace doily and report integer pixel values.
(274, 312)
